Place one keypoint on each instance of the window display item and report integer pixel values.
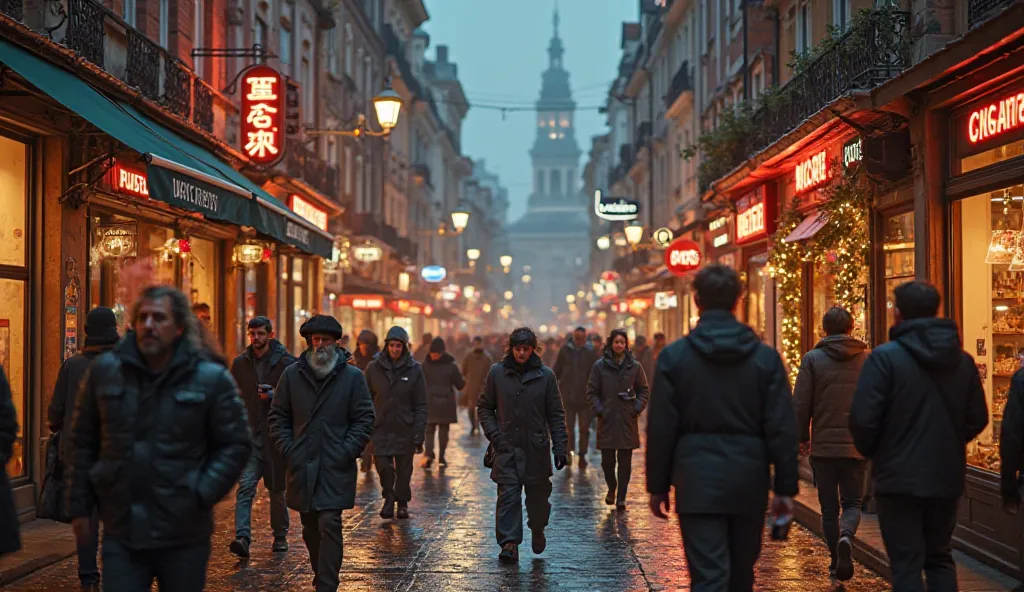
(1001, 247)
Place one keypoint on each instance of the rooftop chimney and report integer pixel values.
(442, 54)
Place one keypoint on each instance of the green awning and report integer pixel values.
(180, 172)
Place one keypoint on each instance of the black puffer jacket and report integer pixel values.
(400, 400)
(521, 413)
(65, 391)
(572, 367)
(321, 427)
(243, 369)
(443, 379)
(618, 419)
(721, 415)
(919, 401)
(824, 393)
(156, 453)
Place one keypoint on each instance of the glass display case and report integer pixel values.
(898, 251)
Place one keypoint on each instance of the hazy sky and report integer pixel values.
(500, 47)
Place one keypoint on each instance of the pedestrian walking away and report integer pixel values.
(423, 348)
(399, 393)
(716, 451)
(1011, 447)
(443, 380)
(320, 420)
(644, 354)
(522, 416)
(822, 399)
(257, 372)
(572, 367)
(618, 393)
(367, 348)
(475, 367)
(159, 437)
(919, 401)
(100, 336)
(10, 539)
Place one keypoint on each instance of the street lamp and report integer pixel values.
(527, 278)
(388, 105)
(468, 291)
(473, 254)
(581, 294)
(570, 298)
(460, 219)
(634, 232)
(505, 260)
(508, 294)
(604, 242)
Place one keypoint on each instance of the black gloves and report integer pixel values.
(560, 461)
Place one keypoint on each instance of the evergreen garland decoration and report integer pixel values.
(844, 241)
(785, 266)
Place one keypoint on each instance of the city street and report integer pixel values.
(448, 544)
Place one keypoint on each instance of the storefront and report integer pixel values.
(756, 213)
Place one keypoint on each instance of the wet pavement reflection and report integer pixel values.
(448, 544)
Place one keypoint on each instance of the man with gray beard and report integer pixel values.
(320, 420)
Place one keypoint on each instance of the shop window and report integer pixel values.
(13, 219)
(898, 250)
(200, 275)
(12, 358)
(992, 302)
(990, 157)
(247, 282)
(757, 282)
(824, 298)
(13, 287)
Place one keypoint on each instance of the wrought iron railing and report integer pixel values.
(86, 29)
(143, 68)
(177, 88)
(681, 82)
(202, 104)
(982, 10)
(305, 164)
(13, 8)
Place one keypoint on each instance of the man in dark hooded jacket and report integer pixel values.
(257, 372)
(522, 417)
(721, 416)
(572, 367)
(443, 379)
(399, 395)
(321, 419)
(823, 395)
(367, 348)
(919, 401)
(100, 336)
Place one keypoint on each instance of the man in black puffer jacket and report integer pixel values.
(159, 437)
(919, 401)
(720, 417)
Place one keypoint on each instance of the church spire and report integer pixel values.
(555, 49)
(556, 19)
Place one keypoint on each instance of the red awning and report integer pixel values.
(810, 226)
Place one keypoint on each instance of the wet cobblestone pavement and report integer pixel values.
(449, 543)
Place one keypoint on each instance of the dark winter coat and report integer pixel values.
(475, 367)
(645, 357)
(919, 401)
(370, 338)
(65, 391)
(617, 419)
(443, 379)
(156, 453)
(400, 400)
(521, 415)
(243, 369)
(420, 355)
(572, 367)
(10, 541)
(824, 393)
(321, 427)
(721, 415)
(1011, 441)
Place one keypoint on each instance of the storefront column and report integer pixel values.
(229, 302)
(270, 306)
(930, 200)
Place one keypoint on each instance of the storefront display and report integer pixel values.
(296, 300)
(757, 283)
(898, 252)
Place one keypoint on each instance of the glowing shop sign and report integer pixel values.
(262, 114)
(615, 208)
(682, 256)
(130, 181)
(309, 212)
(750, 222)
(1004, 115)
(812, 172)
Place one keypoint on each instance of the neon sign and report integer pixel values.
(812, 172)
(309, 212)
(130, 181)
(262, 114)
(682, 256)
(997, 118)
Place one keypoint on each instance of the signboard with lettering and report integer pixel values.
(720, 231)
(307, 211)
(851, 152)
(363, 301)
(615, 208)
(127, 179)
(812, 172)
(665, 300)
(433, 274)
(262, 114)
(995, 120)
(117, 240)
(682, 256)
(755, 214)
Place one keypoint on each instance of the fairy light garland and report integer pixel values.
(785, 266)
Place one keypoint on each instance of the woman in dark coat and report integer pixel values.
(10, 541)
(618, 393)
(366, 350)
(443, 379)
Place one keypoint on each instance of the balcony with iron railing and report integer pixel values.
(421, 173)
(979, 11)
(368, 224)
(643, 136)
(682, 83)
(305, 164)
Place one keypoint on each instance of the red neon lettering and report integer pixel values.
(997, 118)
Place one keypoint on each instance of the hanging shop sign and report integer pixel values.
(852, 152)
(125, 179)
(995, 120)
(615, 208)
(252, 253)
(410, 307)
(665, 300)
(812, 172)
(368, 302)
(262, 115)
(308, 211)
(434, 274)
(662, 237)
(638, 306)
(720, 231)
(367, 253)
(117, 240)
(682, 256)
(755, 214)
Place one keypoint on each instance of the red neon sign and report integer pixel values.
(812, 172)
(263, 109)
(308, 211)
(682, 256)
(130, 181)
(368, 302)
(1004, 115)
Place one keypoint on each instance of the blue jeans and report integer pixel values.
(251, 475)
(88, 570)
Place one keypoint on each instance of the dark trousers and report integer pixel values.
(246, 492)
(88, 569)
(917, 533)
(721, 550)
(584, 415)
(474, 423)
(395, 475)
(442, 438)
(321, 531)
(840, 483)
(624, 457)
(175, 569)
(508, 523)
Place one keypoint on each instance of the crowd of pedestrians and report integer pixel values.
(155, 427)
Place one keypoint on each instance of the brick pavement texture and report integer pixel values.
(448, 544)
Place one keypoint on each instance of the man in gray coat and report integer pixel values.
(572, 367)
(443, 379)
(321, 419)
(822, 399)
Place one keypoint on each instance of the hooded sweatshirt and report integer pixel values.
(919, 401)
(370, 338)
(824, 392)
